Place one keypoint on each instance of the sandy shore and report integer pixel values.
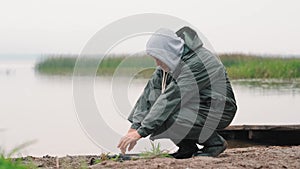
(250, 157)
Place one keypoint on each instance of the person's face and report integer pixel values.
(162, 65)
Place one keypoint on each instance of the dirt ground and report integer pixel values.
(250, 157)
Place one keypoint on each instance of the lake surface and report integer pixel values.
(41, 108)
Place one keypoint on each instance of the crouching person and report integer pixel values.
(188, 98)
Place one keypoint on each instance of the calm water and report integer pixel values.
(41, 108)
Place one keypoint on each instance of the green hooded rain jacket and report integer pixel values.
(197, 95)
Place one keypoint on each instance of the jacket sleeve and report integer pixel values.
(176, 94)
(146, 100)
(160, 111)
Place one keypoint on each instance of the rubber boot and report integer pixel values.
(187, 148)
(214, 146)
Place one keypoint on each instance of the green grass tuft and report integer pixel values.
(7, 162)
(154, 152)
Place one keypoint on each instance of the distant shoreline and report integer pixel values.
(239, 66)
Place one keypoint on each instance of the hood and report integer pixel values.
(190, 37)
(166, 46)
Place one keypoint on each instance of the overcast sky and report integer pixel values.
(64, 26)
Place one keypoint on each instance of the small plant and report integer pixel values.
(7, 162)
(155, 151)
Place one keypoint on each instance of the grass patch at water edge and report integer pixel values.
(8, 162)
(239, 66)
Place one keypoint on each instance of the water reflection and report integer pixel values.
(270, 86)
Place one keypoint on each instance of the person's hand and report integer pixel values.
(131, 130)
(129, 139)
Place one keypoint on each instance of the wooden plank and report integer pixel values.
(264, 127)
